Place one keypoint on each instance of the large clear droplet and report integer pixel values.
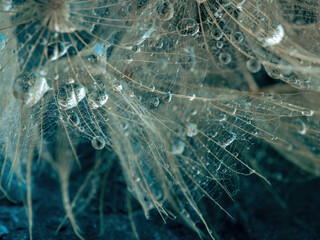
(70, 95)
(272, 37)
(188, 27)
(97, 98)
(29, 88)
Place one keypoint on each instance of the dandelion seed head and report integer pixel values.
(169, 87)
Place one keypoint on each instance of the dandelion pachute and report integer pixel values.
(170, 86)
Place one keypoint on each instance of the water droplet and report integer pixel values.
(225, 58)
(219, 44)
(216, 34)
(117, 87)
(192, 97)
(135, 48)
(223, 117)
(227, 30)
(153, 87)
(187, 60)
(178, 147)
(229, 140)
(136, 179)
(73, 119)
(124, 126)
(70, 95)
(301, 127)
(56, 50)
(155, 102)
(168, 97)
(30, 87)
(98, 142)
(97, 98)
(2, 42)
(188, 27)
(194, 112)
(93, 58)
(192, 130)
(238, 37)
(307, 112)
(165, 10)
(272, 37)
(253, 65)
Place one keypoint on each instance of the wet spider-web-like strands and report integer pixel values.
(169, 86)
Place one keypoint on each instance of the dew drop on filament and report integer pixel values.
(70, 95)
(73, 119)
(97, 98)
(307, 112)
(229, 140)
